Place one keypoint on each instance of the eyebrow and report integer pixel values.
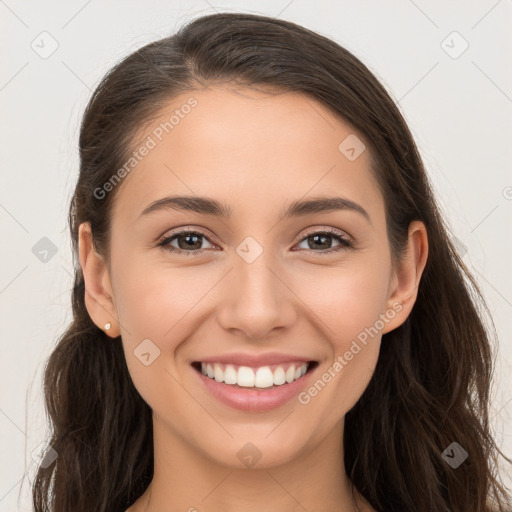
(207, 206)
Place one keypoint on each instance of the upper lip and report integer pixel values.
(255, 360)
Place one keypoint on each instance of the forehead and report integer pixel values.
(245, 148)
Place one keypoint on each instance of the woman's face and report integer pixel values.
(264, 283)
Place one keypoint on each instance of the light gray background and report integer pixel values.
(459, 109)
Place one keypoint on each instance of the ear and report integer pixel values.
(99, 296)
(404, 282)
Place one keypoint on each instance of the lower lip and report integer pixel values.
(252, 399)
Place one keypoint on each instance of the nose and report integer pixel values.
(257, 300)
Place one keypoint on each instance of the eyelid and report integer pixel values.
(164, 241)
(348, 241)
(204, 232)
(332, 231)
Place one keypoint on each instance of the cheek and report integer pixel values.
(163, 306)
(154, 314)
(155, 300)
(350, 303)
(347, 299)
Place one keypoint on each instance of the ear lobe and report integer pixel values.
(98, 291)
(407, 275)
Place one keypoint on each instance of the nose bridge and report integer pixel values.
(257, 280)
(256, 301)
(254, 268)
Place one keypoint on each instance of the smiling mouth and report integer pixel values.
(262, 377)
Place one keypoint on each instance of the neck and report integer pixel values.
(187, 480)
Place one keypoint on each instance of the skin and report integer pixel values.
(256, 153)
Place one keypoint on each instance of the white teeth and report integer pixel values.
(218, 374)
(279, 376)
(230, 375)
(246, 377)
(264, 377)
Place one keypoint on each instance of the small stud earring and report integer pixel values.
(107, 326)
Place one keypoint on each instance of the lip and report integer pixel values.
(255, 361)
(252, 399)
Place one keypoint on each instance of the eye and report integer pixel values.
(323, 239)
(188, 242)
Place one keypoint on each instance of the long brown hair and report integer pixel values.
(432, 380)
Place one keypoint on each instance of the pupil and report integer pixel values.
(316, 238)
(190, 243)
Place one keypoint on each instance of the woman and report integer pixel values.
(269, 313)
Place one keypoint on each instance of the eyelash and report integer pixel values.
(344, 242)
